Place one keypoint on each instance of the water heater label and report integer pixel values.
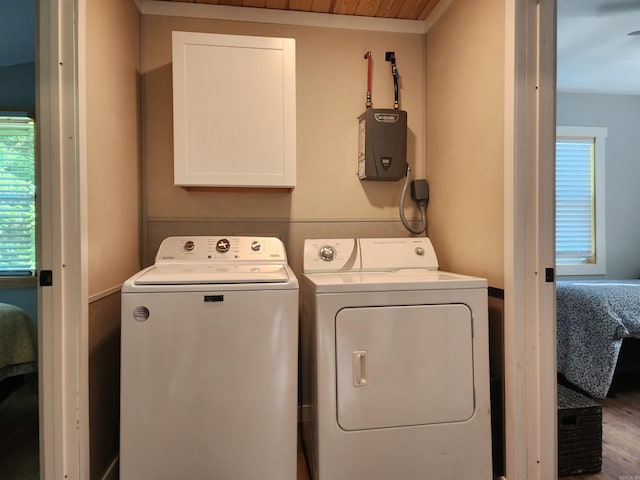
(386, 117)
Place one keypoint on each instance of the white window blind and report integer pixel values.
(580, 213)
(17, 196)
(575, 200)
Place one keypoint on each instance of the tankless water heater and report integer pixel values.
(382, 146)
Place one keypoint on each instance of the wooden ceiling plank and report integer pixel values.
(278, 4)
(254, 3)
(233, 3)
(389, 8)
(428, 8)
(411, 9)
(368, 8)
(300, 5)
(405, 9)
(345, 7)
(322, 6)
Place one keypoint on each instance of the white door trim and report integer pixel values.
(62, 307)
(530, 354)
(542, 171)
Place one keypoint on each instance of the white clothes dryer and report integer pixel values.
(209, 367)
(395, 363)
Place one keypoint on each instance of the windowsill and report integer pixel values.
(18, 282)
(579, 270)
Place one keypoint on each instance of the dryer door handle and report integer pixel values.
(360, 369)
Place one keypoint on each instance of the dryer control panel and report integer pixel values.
(221, 249)
(368, 254)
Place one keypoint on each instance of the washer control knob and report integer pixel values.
(327, 253)
(255, 246)
(189, 245)
(223, 245)
(420, 251)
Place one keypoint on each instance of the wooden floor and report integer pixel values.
(19, 436)
(19, 439)
(620, 438)
(620, 435)
(303, 470)
(620, 449)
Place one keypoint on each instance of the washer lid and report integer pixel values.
(198, 274)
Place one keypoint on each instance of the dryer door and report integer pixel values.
(404, 365)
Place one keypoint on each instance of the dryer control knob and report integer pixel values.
(420, 251)
(327, 253)
(255, 246)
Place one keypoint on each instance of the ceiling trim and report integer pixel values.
(289, 17)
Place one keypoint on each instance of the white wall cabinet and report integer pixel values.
(234, 110)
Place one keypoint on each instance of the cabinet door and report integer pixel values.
(404, 365)
(234, 110)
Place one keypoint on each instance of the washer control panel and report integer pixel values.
(221, 249)
(368, 254)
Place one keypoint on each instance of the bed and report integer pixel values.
(18, 343)
(593, 318)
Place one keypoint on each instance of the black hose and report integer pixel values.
(422, 206)
(391, 57)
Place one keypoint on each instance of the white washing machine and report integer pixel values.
(209, 368)
(395, 363)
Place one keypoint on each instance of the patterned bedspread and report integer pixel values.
(593, 316)
(18, 342)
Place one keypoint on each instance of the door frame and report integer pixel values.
(530, 399)
(530, 334)
(62, 307)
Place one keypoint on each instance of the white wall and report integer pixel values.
(621, 115)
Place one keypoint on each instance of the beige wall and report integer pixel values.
(113, 142)
(465, 156)
(451, 87)
(114, 207)
(331, 87)
(465, 138)
(104, 384)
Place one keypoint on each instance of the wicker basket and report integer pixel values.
(579, 433)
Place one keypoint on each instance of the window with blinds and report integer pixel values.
(580, 200)
(17, 196)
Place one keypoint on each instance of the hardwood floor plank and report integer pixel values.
(620, 459)
(19, 436)
(303, 470)
(620, 436)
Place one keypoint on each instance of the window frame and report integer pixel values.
(23, 278)
(599, 135)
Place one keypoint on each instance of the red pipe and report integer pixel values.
(367, 57)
